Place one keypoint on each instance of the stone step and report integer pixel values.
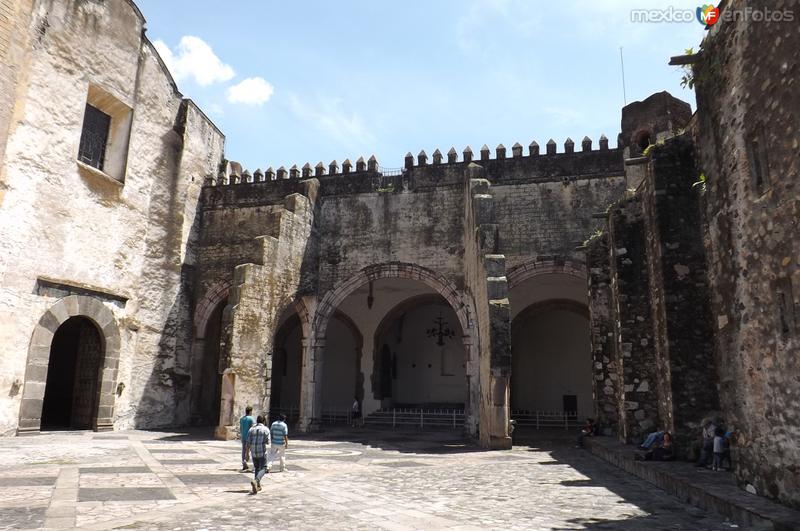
(708, 490)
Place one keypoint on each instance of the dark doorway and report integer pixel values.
(570, 404)
(207, 393)
(73, 374)
(286, 370)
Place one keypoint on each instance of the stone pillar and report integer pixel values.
(226, 427)
(311, 385)
(605, 370)
(472, 407)
(638, 397)
(679, 290)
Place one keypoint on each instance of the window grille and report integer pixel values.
(94, 137)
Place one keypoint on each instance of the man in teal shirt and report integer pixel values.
(279, 432)
(245, 423)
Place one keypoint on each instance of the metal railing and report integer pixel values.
(547, 419)
(417, 417)
(390, 172)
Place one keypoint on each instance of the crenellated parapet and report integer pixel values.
(422, 171)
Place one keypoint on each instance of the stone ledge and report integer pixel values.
(710, 491)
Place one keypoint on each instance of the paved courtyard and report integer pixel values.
(338, 480)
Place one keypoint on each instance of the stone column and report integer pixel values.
(472, 406)
(311, 385)
(633, 328)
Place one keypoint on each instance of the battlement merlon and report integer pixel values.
(233, 173)
(420, 173)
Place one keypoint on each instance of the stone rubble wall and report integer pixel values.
(606, 374)
(679, 294)
(633, 330)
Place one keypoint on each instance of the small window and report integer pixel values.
(94, 137)
(103, 148)
(759, 166)
(785, 300)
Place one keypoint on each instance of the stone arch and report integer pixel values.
(541, 307)
(460, 304)
(217, 293)
(535, 267)
(30, 415)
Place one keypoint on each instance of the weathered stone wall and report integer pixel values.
(633, 330)
(428, 215)
(423, 227)
(679, 296)
(126, 242)
(15, 18)
(546, 220)
(262, 291)
(748, 107)
(486, 282)
(606, 373)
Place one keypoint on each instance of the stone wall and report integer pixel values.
(606, 373)
(748, 105)
(67, 229)
(486, 282)
(679, 295)
(633, 342)
(15, 19)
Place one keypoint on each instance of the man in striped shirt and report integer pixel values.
(280, 441)
(257, 444)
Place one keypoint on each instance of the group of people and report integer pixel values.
(716, 449)
(657, 446)
(264, 444)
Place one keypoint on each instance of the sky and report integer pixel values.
(290, 82)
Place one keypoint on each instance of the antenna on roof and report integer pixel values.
(622, 65)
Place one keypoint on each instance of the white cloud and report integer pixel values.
(194, 59)
(330, 118)
(251, 91)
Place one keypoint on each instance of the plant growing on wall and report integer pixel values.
(701, 183)
(687, 79)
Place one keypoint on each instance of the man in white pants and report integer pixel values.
(279, 432)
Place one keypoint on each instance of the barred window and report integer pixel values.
(94, 137)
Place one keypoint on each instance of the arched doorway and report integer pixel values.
(99, 315)
(551, 369)
(207, 381)
(551, 360)
(380, 301)
(71, 393)
(287, 361)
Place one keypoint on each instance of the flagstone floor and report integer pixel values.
(335, 480)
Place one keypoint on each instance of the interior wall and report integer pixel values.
(424, 372)
(551, 358)
(367, 315)
(340, 366)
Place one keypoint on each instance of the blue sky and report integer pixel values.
(296, 82)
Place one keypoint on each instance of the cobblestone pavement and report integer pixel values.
(362, 480)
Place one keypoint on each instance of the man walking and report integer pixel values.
(280, 441)
(257, 443)
(245, 423)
